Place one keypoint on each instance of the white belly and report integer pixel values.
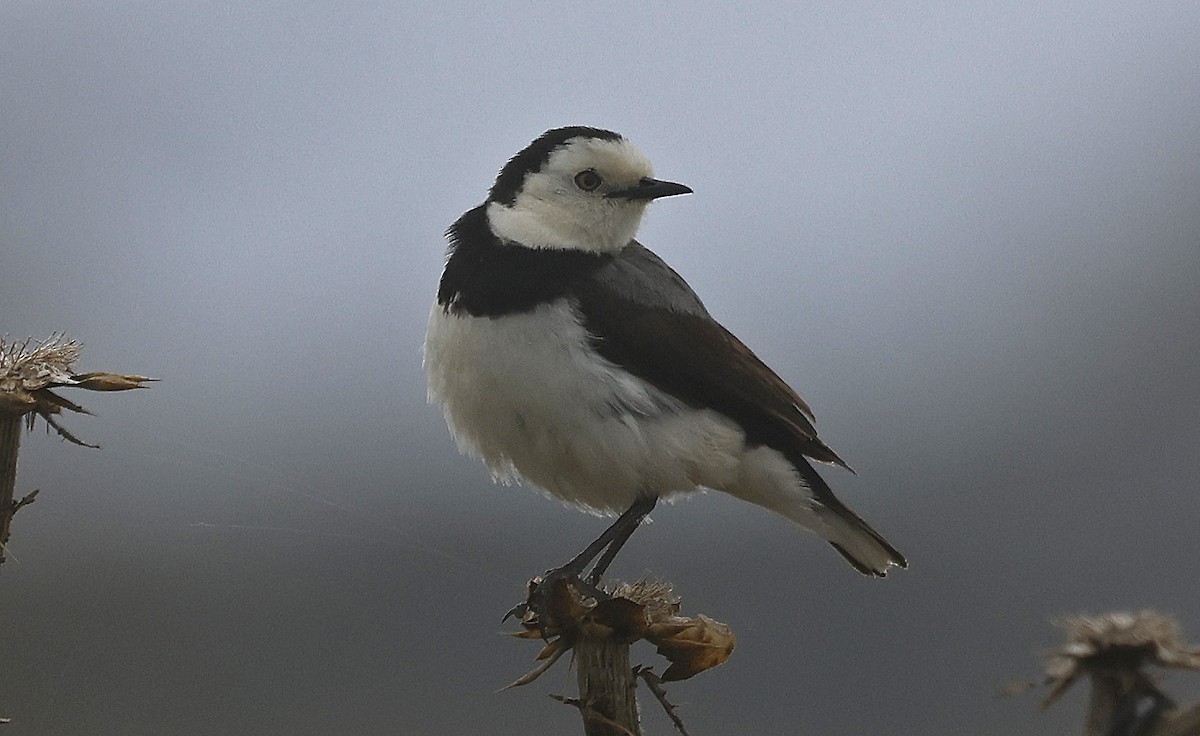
(527, 395)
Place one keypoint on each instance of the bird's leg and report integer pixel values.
(624, 526)
(609, 542)
(613, 538)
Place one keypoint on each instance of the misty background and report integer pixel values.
(968, 234)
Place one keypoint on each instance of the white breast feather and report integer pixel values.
(527, 395)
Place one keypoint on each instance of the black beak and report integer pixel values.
(649, 188)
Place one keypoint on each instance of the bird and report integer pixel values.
(568, 356)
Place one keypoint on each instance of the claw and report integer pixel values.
(518, 611)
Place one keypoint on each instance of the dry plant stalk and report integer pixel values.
(600, 632)
(29, 371)
(1112, 650)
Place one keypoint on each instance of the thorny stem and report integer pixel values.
(1106, 693)
(10, 444)
(606, 685)
(654, 684)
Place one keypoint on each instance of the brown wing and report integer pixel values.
(669, 340)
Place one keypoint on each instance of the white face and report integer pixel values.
(562, 207)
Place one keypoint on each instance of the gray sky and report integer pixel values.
(967, 234)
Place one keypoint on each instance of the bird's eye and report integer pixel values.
(588, 180)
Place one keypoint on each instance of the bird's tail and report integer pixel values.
(864, 548)
(788, 485)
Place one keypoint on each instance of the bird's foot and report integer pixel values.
(538, 605)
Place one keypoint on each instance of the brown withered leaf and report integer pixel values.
(616, 618)
(564, 608)
(47, 414)
(100, 381)
(563, 605)
(692, 645)
(51, 403)
(549, 656)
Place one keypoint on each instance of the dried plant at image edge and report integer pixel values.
(29, 371)
(1112, 650)
(573, 620)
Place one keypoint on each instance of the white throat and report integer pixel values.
(536, 223)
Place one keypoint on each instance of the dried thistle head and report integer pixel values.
(627, 612)
(30, 369)
(657, 596)
(1117, 644)
(27, 367)
(691, 644)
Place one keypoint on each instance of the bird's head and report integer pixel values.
(575, 188)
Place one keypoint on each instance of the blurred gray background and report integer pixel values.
(967, 233)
